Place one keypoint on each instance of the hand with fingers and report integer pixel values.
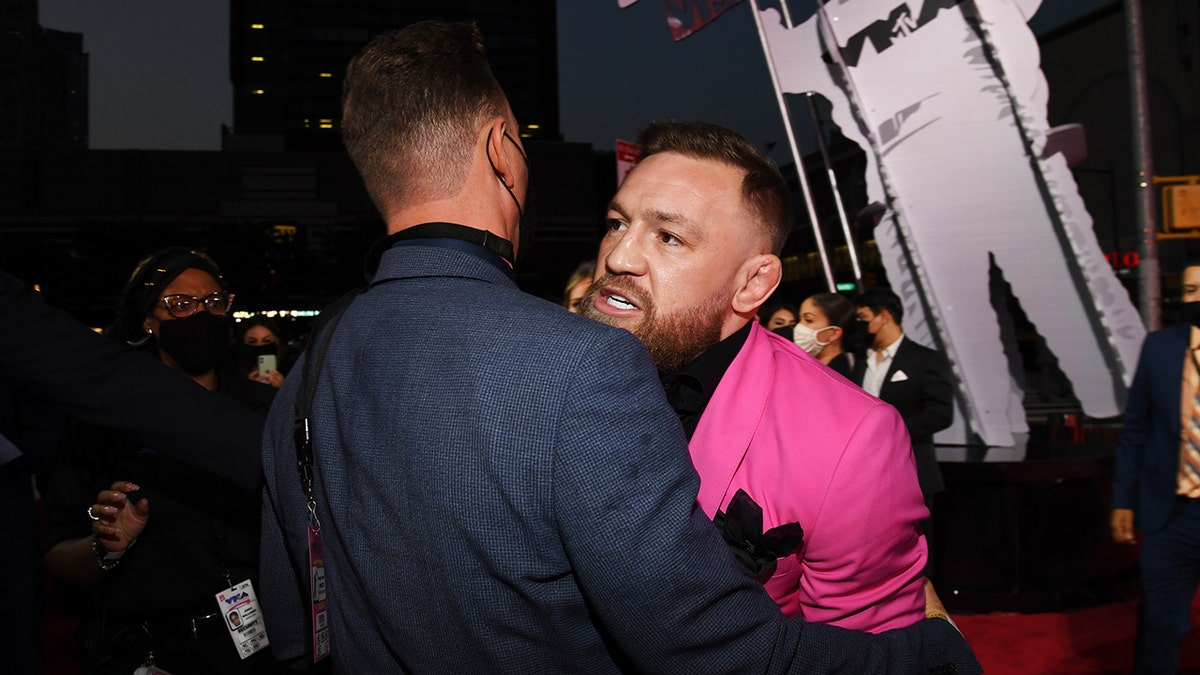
(273, 378)
(119, 516)
(1121, 522)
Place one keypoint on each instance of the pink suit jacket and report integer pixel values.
(810, 447)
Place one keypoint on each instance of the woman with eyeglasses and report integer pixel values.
(153, 540)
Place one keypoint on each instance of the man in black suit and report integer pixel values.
(914, 379)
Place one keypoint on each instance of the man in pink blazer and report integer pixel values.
(811, 479)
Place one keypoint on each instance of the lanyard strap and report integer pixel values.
(302, 429)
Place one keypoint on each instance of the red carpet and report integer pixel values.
(1094, 640)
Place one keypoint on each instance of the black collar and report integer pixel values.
(690, 388)
(494, 249)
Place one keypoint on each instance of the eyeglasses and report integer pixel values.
(182, 306)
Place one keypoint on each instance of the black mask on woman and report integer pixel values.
(198, 344)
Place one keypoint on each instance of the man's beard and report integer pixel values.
(673, 340)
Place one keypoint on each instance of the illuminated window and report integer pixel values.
(326, 74)
(256, 26)
(533, 126)
(256, 58)
(256, 92)
(326, 125)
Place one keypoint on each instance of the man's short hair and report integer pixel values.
(1191, 261)
(763, 187)
(879, 299)
(412, 102)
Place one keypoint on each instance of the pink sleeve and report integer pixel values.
(863, 565)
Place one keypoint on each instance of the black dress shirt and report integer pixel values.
(691, 387)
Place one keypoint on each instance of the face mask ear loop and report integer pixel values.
(817, 332)
(520, 211)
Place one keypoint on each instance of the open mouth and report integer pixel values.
(616, 302)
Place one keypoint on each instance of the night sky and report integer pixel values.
(159, 70)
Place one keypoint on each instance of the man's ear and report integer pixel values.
(757, 280)
(494, 135)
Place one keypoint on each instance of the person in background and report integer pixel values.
(913, 378)
(152, 539)
(47, 355)
(1156, 481)
(260, 336)
(777, 314)
(578, 284)
(47, 358)
(825, 318)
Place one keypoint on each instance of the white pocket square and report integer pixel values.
(898, 376)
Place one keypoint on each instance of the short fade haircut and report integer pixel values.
(412, 101)
(879, 299)
(763, 188)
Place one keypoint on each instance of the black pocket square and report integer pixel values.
(755, 551)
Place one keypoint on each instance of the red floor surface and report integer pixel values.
(1094, 640)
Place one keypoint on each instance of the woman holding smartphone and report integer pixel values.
(259, 348)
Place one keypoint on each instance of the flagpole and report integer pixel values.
(791, 137)
(837, 195)
(1149, 281)
(833, 184)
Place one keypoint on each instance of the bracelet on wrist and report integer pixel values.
(941, 615)
(105, 558)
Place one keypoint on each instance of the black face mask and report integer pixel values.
(858, 338)
(525, 216)
(247, 355)
(198, 344)
(1189, 312)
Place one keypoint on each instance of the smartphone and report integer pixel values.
(266, 364)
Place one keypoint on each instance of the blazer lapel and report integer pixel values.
(723, 435)
(898, 361)
(1179, 351)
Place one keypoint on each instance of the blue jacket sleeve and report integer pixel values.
(45, 353)
(1135, 433)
